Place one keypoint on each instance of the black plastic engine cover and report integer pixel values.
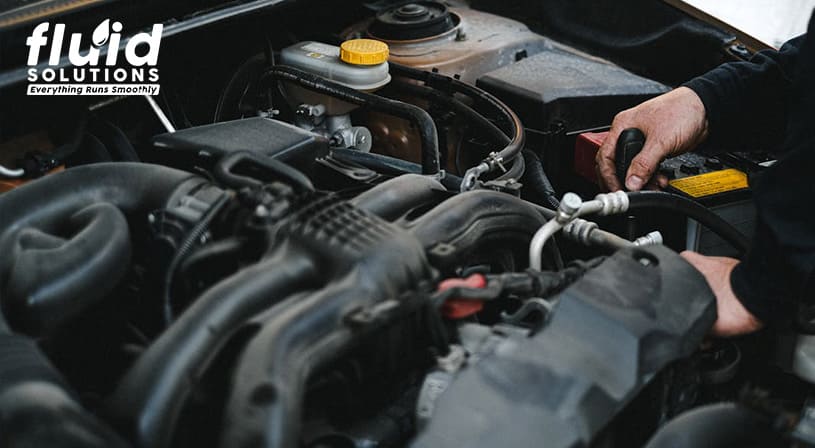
(205, 144)
(610, 333)
(556, 85)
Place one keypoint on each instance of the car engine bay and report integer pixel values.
(369, 225)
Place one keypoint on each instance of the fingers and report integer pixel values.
(606, 170)
(643, 166)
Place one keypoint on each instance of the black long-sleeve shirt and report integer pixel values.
(768, 103)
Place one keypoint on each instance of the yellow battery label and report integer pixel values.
(709, 184)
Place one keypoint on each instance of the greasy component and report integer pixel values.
(610, 333)
(559, 85)
(276, 139)
(374, 265)
(412, 21)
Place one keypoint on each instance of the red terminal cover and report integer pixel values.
(585, 151)
(459, 308)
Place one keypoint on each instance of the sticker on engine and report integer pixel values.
(709, 184)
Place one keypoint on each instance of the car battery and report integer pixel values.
(720, 183)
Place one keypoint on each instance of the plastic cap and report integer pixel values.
(364, 52)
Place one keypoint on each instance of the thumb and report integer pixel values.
(643, 167)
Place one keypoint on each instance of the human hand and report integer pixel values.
(673, 123)
(734, 319)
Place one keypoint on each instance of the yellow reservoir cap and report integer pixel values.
(364, 52)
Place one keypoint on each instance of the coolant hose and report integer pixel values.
(419, 117)
(393, 198)
(704, 216)
(722, 425)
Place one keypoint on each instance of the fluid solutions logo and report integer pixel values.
(98, 67)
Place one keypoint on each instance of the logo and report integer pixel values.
(101, 65)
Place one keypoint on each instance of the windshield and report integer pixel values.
(771, 22)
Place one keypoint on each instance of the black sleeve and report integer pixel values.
(746, 102)
(780, 267)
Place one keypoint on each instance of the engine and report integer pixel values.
(375, 229)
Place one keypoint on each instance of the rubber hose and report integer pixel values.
(393, 198)
(537, 179)
(516, 144)
(184, 248)
(54, 276)
(691, 209)
(418, 116)
(151, 395)
(468, 220)
(389, 165)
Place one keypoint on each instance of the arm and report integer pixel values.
(779, 270)
(738, 106)
(747, 102)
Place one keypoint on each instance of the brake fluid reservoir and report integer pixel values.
(359, 63)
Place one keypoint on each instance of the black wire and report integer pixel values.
(184, 248)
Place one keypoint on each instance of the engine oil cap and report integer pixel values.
(364, 52)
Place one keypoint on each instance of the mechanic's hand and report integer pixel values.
(734, 319)
(673, 123)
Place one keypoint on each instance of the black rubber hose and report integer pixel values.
(450, 102)
(722, 425)
(518, 136)
(536, 178)
(187, 244)
(389, 165)
(65, 272)
(691, 209)
(420, 118)
(36, 407)
(393, 198)
(150, 396)
(459, 225)
(53, 277)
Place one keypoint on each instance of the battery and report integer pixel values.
(719, 183)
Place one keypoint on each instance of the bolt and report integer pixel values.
(570, 204)
(261, 211)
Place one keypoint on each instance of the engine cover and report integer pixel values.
(610, 333)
